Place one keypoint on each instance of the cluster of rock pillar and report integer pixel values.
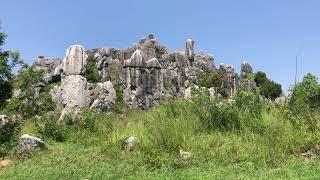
(146, 71)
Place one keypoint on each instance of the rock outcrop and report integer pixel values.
(3, 120)
(229, 82)
(246, 77)
(29, 143)
(49, 67)
(142, 81)
(146, 72)
(105, 97)
(75, 91)
(75, 61)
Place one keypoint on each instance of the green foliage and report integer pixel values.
(162, 128)
(26, 102)
(304, 101)
(44, 101)
(204, 79)
(8, 60)
(92, 73)
(120, 106)
(268, 88)
(50, 127)
(8, 136)
(215, 116)
(249, 103)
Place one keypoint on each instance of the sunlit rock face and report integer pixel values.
(74, 91)
(145, 72)
(246, 77)
(228, 79)
(142, 81)
(48, 66)
(75, 61)
(189, 49)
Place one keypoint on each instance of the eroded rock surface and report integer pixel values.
(29, 143)
(105, 97)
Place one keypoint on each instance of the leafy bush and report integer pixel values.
(50, 127)
(304, 101)
(92, 73)
(170, 126)
(87, 120)
(204, 80)
(119, 107)
(44, 101)
(8, 136)
(268, 88)
(215, 116)
(249, 103)
(8, 61)
(26, 103)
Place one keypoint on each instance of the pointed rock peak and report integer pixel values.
(75, 60)
(153, 63)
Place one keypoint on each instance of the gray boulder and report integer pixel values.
(48, 66)
(204, 62)
(184, 155)
(105, 97)
(3, 120)
(74, 92)
(29, 143)
(131, 143)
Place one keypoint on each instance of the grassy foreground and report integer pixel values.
(264, 147)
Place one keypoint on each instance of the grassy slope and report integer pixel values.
(96, 155)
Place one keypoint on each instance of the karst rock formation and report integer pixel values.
(146, 72)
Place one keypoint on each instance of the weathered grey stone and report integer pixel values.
(48, 67)
(3, 120)
(228, 79)
(246, 69)
(74, 92)
(189, 49)
(104, 97)
(280, 100)
(246, 77)
(184, 155)
(153, 63)
(29, 143)
(75, 61)
(204, 62)
(131, 143)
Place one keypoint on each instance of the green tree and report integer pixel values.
(92, 73)
(8, 60)
(268, 88)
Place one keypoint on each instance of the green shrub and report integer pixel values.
(267, 87)
(26, 103)
(204, 79)
(215, 116)
(87, 120)
(250, 103)
(8, 136)
(304, 102)
(44, 101)
(170, 126)
(50, 127)
(120, 106)
(92, 73)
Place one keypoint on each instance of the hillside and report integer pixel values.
(145, 113)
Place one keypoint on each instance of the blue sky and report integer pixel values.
(269, 34)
